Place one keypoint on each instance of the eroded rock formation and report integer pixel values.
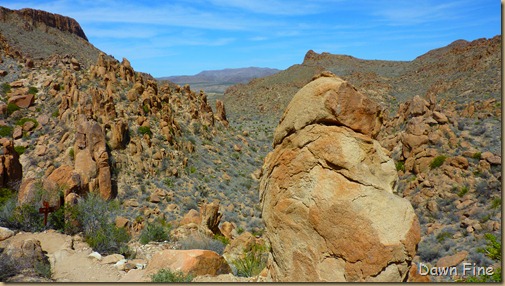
(327, 192)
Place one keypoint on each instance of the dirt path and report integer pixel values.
(69, 259)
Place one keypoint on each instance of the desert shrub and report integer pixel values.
(493, 248)
(168, 182)
(400, 166)
(32, 90)
(166, 275)
(437, 162)
(496, 203)
(6, 88)
(157, 231)
(223, 239)
(20, 149)
(95, 216)
(43, 269)
(201, 241)
(477, 155)
(71, 153)
(55, 113)
(252, 263)
(11, 107)
(5, 131)
(22, 121)
(144, 130)
(463, 191)
(25, 217)
(5, 195)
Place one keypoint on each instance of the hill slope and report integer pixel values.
(472, 67)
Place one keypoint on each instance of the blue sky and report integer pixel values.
(182, 37)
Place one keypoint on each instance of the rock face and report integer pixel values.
(36, 18)
(11, 170)
(91, 157)
(327, 192)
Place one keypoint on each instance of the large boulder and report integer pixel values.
(327, 193)
(194, 262)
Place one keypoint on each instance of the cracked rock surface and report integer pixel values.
(327, 192)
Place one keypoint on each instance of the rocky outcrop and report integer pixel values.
(221, 113)
(11, 171)
(327, 192)
(38, 19)
(91, 157)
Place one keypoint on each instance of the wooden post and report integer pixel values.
(46, 210)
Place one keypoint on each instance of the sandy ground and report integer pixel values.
(69, 259)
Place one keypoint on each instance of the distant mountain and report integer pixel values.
(219, 80)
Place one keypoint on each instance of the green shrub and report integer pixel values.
(33, 90)
(437, 161)
(5, 195)
(192, 169)
(71, 153)
(43, 268)
(55, 113)
(400, 166)
(5, 131)
(11, 107)
(463, 191)
(477, 155)
(20, 149)
(6, 88)
(443, 236)
(157, 231)
(168, 182)
(22, 121)
(145, 130)
(492, 250)
(496, 203)
(166, 275)
(493, 247)
(145, 108)
(252, 263)
(96, 217)
(223, 239)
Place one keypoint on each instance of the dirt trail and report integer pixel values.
(69, 259)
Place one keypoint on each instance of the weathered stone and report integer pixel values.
(11, 171)
(5, 233)
(327, 193)
(452, 260)
(329, 100)
(195, 262)
(23, 101)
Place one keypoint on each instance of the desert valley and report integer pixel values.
(335, 169)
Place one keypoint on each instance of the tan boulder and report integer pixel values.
(329, 100)
(418, 106)
(191, 217)
(459, 162)
(23, 101)
(5, 233)
(64, 178)
(452, 260)
(327, 194)
(440, 117)
(195, 262)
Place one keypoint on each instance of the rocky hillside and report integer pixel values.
(39, 35)
(461, 71)
(217, 81)
(149, 173)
